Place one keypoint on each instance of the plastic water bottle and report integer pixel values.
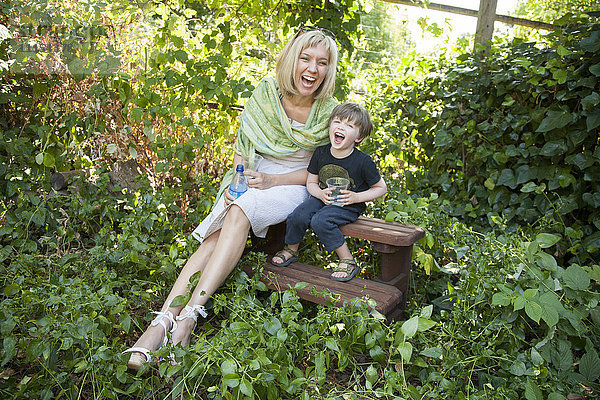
(238, 185)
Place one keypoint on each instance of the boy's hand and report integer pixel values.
(325, 196)
(348, 197)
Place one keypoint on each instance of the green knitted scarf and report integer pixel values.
(265, 127)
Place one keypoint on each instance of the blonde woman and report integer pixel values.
(284, 120)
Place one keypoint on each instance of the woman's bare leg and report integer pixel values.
(153, 336)
(224, 258)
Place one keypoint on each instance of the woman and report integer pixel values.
(284, 121)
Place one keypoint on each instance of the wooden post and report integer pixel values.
(485, 23)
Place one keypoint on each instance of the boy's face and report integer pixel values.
(343, 134)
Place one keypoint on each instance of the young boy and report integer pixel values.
(349, 124)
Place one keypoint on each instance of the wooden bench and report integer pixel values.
(393, 241)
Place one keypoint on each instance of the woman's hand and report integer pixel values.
(227, 197)
(259, 180)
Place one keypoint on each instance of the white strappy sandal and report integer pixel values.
(193, 312)
(141, 355)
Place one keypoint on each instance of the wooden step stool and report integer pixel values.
(392, 240)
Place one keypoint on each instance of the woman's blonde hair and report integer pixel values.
(288, 61)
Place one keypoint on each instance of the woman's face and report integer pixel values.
(313, 64)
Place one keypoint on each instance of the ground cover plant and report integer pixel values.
(480, 152)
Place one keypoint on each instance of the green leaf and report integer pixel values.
(507, 178)
(532, 391)
(550, 316)
(181, 55)
(518, 368)
(592, 120)
(49, 160)
(372, 375)
(500, 299)
(409, 328)
(180, 300)
(78, 69)
(518, 303)
(405, 349)
(555, 120)
(576, 278)
(9, 345)
(529, 187)
(562, 51)
(533, 311)
(301, 285)
(546, 261)
(530, 294)
(591, 43)
(229, 369)
(272, 326)
(246, 387)
(432, 352)
(377, 354)
(546, 240)
(589, 366)
(595, 69)
(332, 345)
(560, 75)
(556, 396)
(111, 148)
(427, 311)
(554, 148)
(550, 299)
(150, 133)
(562, 357)
(425, 324)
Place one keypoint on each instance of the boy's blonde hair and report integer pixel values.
(355, 113)
(285, 70)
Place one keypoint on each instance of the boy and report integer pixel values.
(349, 124)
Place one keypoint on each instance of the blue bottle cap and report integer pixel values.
(240, 168)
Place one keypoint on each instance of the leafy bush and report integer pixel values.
(512, 138)
(512, 322)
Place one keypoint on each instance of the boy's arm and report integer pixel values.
(312, 185)
(375, 191)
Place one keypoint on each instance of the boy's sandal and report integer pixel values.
(286, 261)
(350, 270)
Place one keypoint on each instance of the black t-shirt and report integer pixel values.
(358, 168)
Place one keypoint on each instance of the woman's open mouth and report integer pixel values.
(308, 81)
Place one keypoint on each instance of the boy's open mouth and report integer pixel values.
(338, 138)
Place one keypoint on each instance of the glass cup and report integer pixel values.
(337, 184)
(252, 162)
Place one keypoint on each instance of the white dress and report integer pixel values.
(262, 207)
